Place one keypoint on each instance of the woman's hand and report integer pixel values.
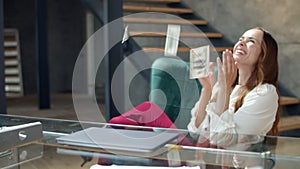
(207, 85)
(209, 81)
(227, 72)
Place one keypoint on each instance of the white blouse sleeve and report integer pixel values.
(203, 128)
(255, 117)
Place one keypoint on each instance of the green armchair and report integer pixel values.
(172, 90)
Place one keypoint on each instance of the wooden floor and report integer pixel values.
(61, 107)
(53, 160)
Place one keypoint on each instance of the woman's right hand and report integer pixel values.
(207, 85)
(209, 81)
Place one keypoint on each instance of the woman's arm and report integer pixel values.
(227, 73)
(203, 101)
(206, 92)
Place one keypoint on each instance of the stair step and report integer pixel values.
(10, 44)
(10, 80)
(11, 51)
(284, 100)
(180, 49)
(11, 71)
(289, 123)
(13, 88)
(183, 34)
(164, 21)
(136, 8)
(11, 62)
(153, 1)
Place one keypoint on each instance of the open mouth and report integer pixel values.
(240, 52)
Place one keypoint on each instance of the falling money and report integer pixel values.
(172, 40)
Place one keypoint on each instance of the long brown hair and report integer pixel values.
(265, 71)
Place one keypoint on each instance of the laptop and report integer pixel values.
(119, 139)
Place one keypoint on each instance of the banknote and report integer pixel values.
(172, 40)
(125, 35)
(199, 62)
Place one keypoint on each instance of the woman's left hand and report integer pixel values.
(227, 71)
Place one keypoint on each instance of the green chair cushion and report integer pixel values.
(172, 90)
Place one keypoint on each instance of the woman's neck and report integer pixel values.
(244, 75)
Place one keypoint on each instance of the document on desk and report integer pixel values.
(139, 167)
(199, 62)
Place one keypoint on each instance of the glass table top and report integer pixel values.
(276, 152)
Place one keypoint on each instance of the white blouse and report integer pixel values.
(255, 117)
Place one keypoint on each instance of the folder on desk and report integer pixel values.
(119, 139)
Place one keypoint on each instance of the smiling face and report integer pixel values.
(247, 50)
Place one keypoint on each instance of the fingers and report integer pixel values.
(211, 67)
(229, 67)
(212, 74)
(221, 75)
(225, 60)
(219, 63)
(228, 62)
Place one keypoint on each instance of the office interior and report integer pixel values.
(55, 71)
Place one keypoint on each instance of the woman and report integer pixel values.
(245, 100)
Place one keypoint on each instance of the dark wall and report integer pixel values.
(66, 36)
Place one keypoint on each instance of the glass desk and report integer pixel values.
(273, 152)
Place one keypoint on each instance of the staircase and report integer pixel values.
(152, 42)
(149, 31)
(13, 73)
